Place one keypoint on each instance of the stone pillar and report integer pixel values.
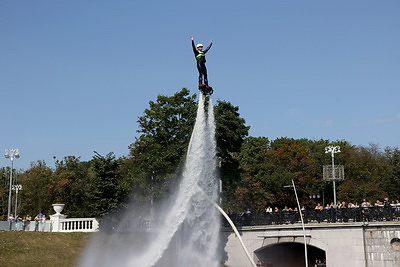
(56, 218)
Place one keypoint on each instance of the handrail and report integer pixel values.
(79, 225)
(360, 214)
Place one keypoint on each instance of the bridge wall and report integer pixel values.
(347, 244)
(382, 245)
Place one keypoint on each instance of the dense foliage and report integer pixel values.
(253, 170)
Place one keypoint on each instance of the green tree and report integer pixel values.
(105, 194)
(165, 131)
(316, 150)
(4, 185)
(70, 185)
(252, 190)
(252, 155)
(266, 167)
(292, 160)
(157, 154)
(364, 167)
(36, 195)
(230, 134)
(230, 129)
(391, 178)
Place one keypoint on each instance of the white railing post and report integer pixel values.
(56, 219)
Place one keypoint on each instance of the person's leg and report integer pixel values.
(200, 73)
(204, 71)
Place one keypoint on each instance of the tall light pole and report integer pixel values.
(11, 154)
(302, 222)
(16, 188)
(333, 150)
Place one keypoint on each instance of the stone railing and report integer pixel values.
(53, 225)
(78, 225)
(62, 224)
(58, 223)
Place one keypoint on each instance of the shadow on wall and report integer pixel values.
(223, 239)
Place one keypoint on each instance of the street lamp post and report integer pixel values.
(333, 150)
(302, 222)
(16, 188)
(11, 154)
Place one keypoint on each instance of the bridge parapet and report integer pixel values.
(370, 214)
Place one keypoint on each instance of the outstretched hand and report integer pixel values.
(191, 38)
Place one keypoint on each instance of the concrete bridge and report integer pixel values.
(355, 244)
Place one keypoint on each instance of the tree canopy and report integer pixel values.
(253, 170)
(165, 128)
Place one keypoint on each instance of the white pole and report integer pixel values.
(17, 188)
(236, 232)
(333, 150)
(11, 153)
(16, 201)
(232, 225)
(9, 193)
(333, 177)
(302, 224)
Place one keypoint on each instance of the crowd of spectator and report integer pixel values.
(23, 223)
(341, 212)
(340, 205)
(320, 263)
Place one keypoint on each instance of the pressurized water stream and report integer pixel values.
(188, 234)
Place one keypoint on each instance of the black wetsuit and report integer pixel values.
(201, 63)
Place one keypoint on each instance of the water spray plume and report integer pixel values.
(188, 234)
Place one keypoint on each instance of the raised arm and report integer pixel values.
(193, 46)
(208, 47)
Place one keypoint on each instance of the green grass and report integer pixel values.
(41, 248)
(44, 249)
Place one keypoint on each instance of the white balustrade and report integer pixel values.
(58, 223)
(78, 225)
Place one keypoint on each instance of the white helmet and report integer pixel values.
(199, 45)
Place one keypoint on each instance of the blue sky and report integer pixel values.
(75, 75)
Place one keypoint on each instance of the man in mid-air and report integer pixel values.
(200, 55)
